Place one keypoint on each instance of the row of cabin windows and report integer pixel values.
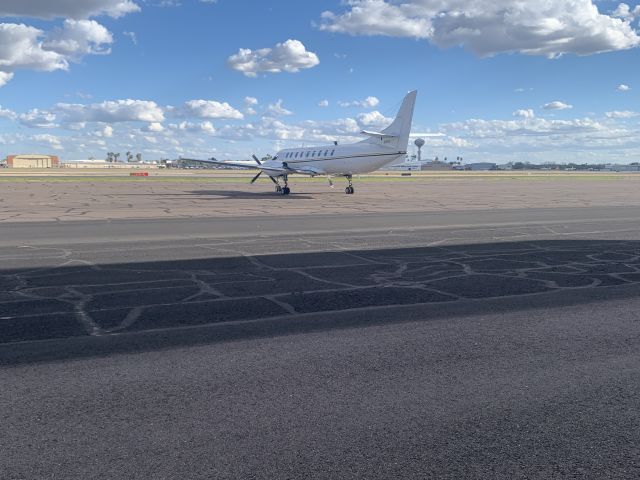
(310, 153)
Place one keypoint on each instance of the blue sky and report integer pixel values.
(537, 81)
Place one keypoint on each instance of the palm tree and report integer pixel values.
(116, 156)
(138, 157)
(129, 156)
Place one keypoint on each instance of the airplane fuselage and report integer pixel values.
(334, 159)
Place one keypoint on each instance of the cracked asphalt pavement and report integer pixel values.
(469, 343)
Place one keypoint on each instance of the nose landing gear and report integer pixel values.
(284, 190)
(349, 190)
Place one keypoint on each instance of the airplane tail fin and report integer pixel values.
(396, 135)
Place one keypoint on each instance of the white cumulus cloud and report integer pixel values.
(524, 113)
(290, 56)
(111, 111)
(6, 113)
(344, 130)
(622, 114)
(26, 47)
(557, 106)
(623, 88)
(278, 109)
(323, 103)
(487, 27)
(197, 127)
(21, 47)
(368, 102)
(35, 118)
(77, 38)
(50, 140)
(249, 103)
(374, 119)
(5, 77)
(625, 12)
(155, 127)
(210, 109)
(76, 9)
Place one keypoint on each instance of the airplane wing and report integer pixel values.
(225, 164)
(285, 169)
(313, 171)
(269, 170)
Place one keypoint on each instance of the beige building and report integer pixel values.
(33, 161)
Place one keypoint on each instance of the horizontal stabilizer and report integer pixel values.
(377, 134)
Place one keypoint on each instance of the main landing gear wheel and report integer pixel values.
(286, 191)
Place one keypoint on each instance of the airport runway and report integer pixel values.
(495, 343)
(62, 199)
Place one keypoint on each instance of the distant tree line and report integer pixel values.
(113, 157)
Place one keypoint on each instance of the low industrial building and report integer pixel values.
(621, 168)
(104, 164)
(436, 165)
(481, 166)
(33, 161)
(411, 166)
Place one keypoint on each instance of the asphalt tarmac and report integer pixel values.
(496, 343)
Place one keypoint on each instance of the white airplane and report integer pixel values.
(378, 150)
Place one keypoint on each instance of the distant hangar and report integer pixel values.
(33, 161)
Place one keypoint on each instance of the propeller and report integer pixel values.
(258, 176)
(261, 172)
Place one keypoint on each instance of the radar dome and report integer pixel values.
(419, 142)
